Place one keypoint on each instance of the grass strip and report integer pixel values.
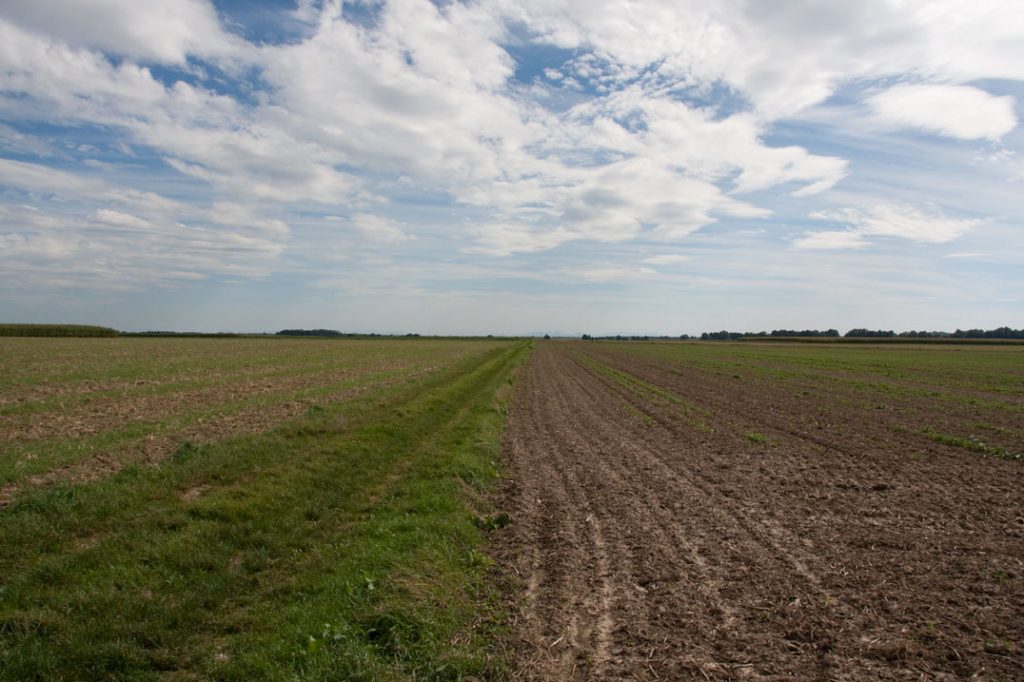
(338, 546)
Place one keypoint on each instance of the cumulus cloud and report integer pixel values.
(425, 92)
(156, 30)
(783, 56)
(958, 111)
(915, 223)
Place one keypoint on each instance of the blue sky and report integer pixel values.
(511, 167)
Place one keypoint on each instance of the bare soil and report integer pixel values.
(716, 529)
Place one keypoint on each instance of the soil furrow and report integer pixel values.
(652, 545)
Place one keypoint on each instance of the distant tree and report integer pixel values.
(547, 336)
(309, 332)
(862, 333)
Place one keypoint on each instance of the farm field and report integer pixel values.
(183, 508)
(732, 511)
(248, 508)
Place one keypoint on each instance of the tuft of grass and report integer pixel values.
(760, 439)
(490, 522)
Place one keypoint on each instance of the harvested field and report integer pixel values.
(735, 511)
(82, 409)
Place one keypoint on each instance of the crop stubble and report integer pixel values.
(81, 410)
(674, 522)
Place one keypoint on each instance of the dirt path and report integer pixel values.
(648, 544)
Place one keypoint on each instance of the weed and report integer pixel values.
(492, 522)
(1000, 647)
(760, 439)
(185, 451)
(477, 559)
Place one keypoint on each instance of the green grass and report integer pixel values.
(974, 444)
(172, 388)
(899, 388)
(760, 439)
(341, 545)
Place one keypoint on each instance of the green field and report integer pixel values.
(970, 396)
(248, 508)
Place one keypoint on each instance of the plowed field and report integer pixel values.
(740, 511)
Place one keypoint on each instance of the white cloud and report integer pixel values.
(668, 259)
(117, 251)
(784, 56)
(915, 223)
(101, 236)
(659, 125)
(839, 239)
(204, 135)
(158, 30)
(378, 228)
(243, 216)
(118, 219)
(613, 273)
(425, 92)
(958, 111)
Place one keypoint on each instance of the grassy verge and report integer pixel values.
(338, 546)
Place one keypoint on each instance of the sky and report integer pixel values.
(512, 166)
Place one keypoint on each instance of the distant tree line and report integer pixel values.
(787, 333)
(620, 337)
(999, 333)
(56, 330)
(311, 332)
(334, 333)
(190, 335)
(862, 333)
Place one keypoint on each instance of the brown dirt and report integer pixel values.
(647, 543)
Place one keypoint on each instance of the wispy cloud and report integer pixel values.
(919, 224)
(668, 259)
